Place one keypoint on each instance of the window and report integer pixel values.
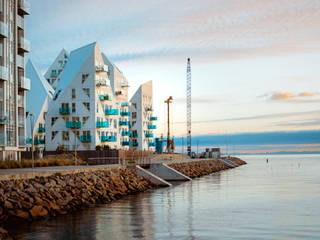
(134, 104)
(84, 77)
(75, 119)
(77, 134)
(54, 72)
(65, 136)
(84, 120)
(87, 91)
(134, 115)
(65, 105)
(65, 119)
(133, 123)
(87, 105)
(53, 134)
(115, 124)
(53, 120)
(86, 133)
(73, 93)
(73, 107)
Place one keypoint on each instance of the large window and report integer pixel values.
(65, 136)
(73, 107)
(73, 93)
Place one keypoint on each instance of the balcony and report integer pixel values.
(105, 97)
(125, 104)
(149, 135)
(20, 101)
(125, 114)
(124, 84)
(39, 141)
(118, 93)
(24, 7)
(125, 133)
(153, 118)
(135, 144)
(29, 141)
(102, 68)
(111, 112)
(148, 109)
(64, 111)
(22, 141)
(102, 124)
(41, 129)
(73, 124)
(108, 138)
(102, 81)
(20, 62)
(3, 118)
(152, 126)
(134, 134)
(21, 119)
(20, 22)
(125, 143)
(3, 30)
(151, 144)
(85, 138)
(4, 73)
(24, 44)
(54, 74)
(24, 83)
(124, 123)
(2, 140)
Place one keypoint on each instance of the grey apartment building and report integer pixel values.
(13, 83)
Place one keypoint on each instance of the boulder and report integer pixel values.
(38, 211)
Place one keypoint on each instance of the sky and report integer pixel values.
(255, 63)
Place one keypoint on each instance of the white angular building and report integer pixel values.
(90, 106)
(55, 70)
(13, 83)
(142, 119)
(37, 103)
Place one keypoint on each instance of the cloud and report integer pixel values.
(299, 123)
(303, 97)
(280, 96)
(308, 94)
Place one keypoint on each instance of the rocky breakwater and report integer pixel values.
(42, 197)
(198, 168)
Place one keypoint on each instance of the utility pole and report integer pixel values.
(32, 137)
(182, 140)
(168, 101)
(189, 107)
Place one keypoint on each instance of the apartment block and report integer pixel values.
(13, 83)
(37, 104)
(90, 104)
(142, 119)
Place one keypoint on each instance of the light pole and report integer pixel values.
(32, 137)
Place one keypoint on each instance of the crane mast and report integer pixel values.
(189, 107)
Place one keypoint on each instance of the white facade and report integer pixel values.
(86, 109)
(55, 70)
(13, 83)
(142, 120)
(37, 103)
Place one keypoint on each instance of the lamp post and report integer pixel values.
(32, 137)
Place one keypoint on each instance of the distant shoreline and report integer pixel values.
(276, 153)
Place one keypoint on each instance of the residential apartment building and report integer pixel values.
(13, 83)
(37, 104)
(90, 106)
(142, 119)
(55, 70)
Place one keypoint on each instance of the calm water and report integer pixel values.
(278, 200)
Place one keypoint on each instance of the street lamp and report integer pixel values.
(32, 137)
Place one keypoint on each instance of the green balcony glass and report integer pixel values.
(152, 126)
(64, 111)
(85, 138)
(125, 104)
(134, 134)
(135, 144)
(111, 112)
(38, 141)
(125, 114)
(125, 143)
(72, 124)
(29, 141)
(151, 144)
(102, 124)
(149, 135)
(124, 123)
(105, 97)
(41, 129)
(108, 139)
(153, 118)
(125, 133)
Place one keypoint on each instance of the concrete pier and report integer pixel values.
(152, 177)
(167, 173)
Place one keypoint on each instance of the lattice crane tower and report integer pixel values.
(189, 107)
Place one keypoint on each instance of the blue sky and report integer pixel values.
(255, 64)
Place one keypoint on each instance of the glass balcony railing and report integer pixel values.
(102, 68)
(39, 141)
(151, 144)
(123, 123)
(20, 61)
(41, 129)
(20, 101)
(135, 144)
(3, 29)
(152, 126)
(64, 111)
(22, 141)
(125, 104)
(4, 73)
(20, 22)
(125, 143)
(149, 135)
(2, 140)
(134, 134)
(3, 118)
(153, 118)
(108, 138)
(29, 141)
(125, 114)
(102, 124)
(85, 138)
(111, 112)
(102, 81)
(148, 109)
(24, 83)
(72, 124)
(24, 44)
(105, 97)
(124, 84)
(125, 133)
(24, 6)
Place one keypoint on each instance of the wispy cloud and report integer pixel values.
(299, 123)
(303, 97)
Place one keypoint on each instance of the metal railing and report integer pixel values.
(24, 83)
(4, 73)
(3, 29)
